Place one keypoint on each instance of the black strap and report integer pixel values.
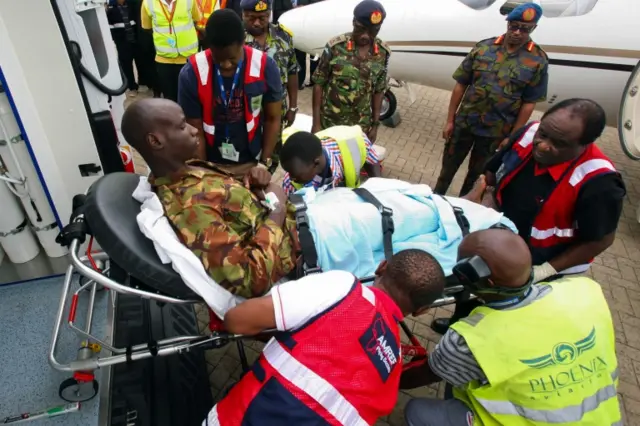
(307, 245)
(462, 220)
(387, 220)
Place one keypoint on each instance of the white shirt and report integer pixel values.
(297, 302)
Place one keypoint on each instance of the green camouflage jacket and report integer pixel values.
(279, 47)
(499, 82)
(349, 82)
(227, 228)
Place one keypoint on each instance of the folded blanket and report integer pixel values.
(348, 232)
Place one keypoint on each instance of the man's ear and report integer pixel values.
(381, 268)
(153, 141)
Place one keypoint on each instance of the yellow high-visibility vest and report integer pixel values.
(174, 33)
(353, 150)
(547, 363)
(207, 7)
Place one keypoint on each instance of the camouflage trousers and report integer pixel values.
(456, 150)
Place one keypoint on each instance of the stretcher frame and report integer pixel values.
(83, 386)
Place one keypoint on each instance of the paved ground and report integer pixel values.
(414, 151)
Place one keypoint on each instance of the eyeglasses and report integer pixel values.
(522, 28)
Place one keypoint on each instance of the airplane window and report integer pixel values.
(477, 4)
(555, 8)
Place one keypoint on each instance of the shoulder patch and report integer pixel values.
(384, 45)
(285, 29)
(339, 39)
(487, 41)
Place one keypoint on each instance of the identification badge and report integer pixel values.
(256, 103)
(171, 42)
(229, 152)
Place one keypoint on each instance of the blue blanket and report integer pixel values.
(348, 231)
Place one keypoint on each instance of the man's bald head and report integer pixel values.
(158, 130)
(505, 253)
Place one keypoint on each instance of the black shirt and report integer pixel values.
(598, 206)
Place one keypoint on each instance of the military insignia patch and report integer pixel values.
(261, 6)
(376, 17)
(529, 15)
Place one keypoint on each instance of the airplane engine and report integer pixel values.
(19, 165)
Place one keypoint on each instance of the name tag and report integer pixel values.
(381, 346)
(229, 152)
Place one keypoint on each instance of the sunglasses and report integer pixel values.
(522, 28)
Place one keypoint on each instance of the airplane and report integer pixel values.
(592, 45)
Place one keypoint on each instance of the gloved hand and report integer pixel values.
(542, 272)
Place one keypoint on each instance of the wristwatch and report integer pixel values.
(267, 162)
(293, 109)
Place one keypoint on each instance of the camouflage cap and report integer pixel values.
(369, 13)
(528, 12)
(255, 5)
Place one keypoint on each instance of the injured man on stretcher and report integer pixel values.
(247, 247)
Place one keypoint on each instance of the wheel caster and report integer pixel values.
(73, 391)
(389, 105)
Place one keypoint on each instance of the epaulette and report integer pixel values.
(285, 29)
(498, 40)
(339, 39)
(384, 45)
(532, 46)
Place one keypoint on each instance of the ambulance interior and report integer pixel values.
(60, 109)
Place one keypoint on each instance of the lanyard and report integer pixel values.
(223, 93)
(169, 16)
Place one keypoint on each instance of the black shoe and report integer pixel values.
(440, 325)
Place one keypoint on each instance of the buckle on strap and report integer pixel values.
(387, 219)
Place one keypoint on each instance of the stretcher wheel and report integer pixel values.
(73, 391)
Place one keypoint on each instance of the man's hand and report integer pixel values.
(257, 178)
(477, 192)
(448, 130)
(373, 134)
(289, 118)
(504, 143)
(489, 199)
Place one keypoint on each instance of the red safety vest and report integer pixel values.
(554, 226)
(342, 368)
(254, 84)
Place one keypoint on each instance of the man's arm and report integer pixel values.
(380, 87)
(196, 13)
(292, 82)
(243, 266)
(597, 213)
(463, 77)
(495, 162)
(320, 78)
(451, 360)
(372, 163)
(290, 305)
(190, 103)
(145, 18)
(272, 105)
(535, 92)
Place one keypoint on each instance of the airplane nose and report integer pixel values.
(314, 25)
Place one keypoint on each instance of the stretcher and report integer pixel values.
(129, 264)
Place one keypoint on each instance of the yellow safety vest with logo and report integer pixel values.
(173, 36)
(547, 363)
(353, 150)
(207, 7)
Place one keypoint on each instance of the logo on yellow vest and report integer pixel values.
(261, 6)
(563, 353)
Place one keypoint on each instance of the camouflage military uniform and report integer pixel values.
(498, 83)
(279, 46)
(228, 229)
(348, 82)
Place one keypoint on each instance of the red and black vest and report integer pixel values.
(341, 368)
(255, 86)
(554, 227)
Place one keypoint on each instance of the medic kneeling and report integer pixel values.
(332, 157)
(337, 360)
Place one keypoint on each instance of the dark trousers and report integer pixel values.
(168, 75)
(456, 150)
(126, 56)
(146, 62)
(301, 57)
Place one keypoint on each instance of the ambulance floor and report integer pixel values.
(27, 383)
